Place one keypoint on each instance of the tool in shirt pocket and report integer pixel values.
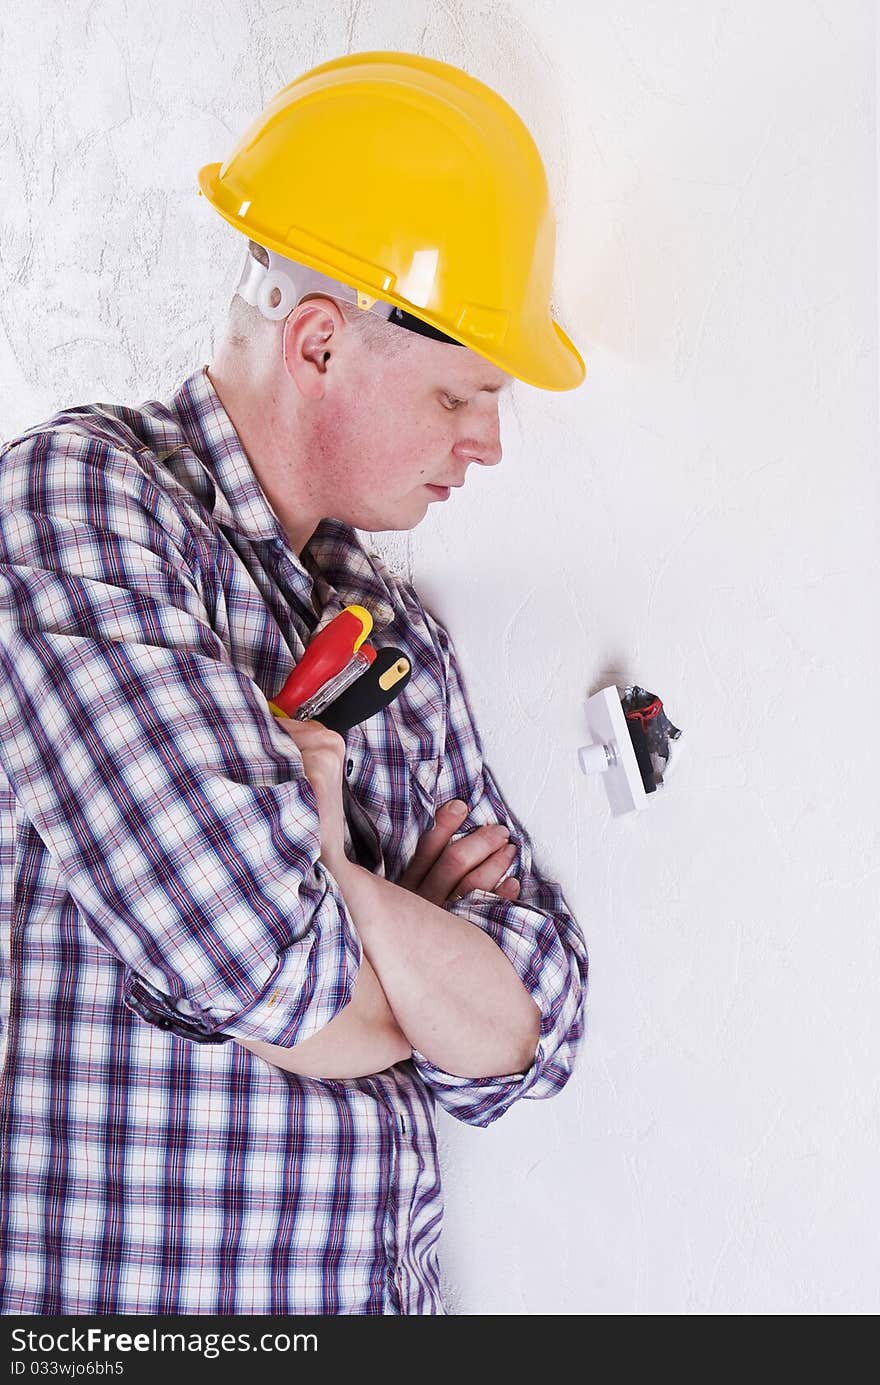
(341, 680)
(390, 792)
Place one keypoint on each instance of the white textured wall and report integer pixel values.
(702, 517)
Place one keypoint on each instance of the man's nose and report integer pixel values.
(484, 446)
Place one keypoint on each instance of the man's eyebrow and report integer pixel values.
(493, 389)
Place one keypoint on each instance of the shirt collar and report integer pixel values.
(343, 565)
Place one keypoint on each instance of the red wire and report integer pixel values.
(644, 714)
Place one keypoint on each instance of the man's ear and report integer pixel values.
(309, 339)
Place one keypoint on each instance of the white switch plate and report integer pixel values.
(622, 779)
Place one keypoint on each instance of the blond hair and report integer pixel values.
(375, 333)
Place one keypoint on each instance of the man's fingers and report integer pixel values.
(476, 860)
(432, 843)
(473, 861)
(488, 877)
(509, 888)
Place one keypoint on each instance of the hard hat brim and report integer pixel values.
(548, 360)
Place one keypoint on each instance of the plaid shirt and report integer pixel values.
(161, 893)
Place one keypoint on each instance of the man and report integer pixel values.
(247, 957)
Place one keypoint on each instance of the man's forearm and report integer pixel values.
(362, 1039)
(454, 993)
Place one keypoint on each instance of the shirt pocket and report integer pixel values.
(423, 775)
(396, 794)
(416, 817)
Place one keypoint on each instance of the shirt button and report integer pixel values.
(349, 767)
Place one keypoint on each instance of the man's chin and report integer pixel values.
(397, 521)
(392, 527)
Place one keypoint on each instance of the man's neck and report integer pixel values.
(254, 419)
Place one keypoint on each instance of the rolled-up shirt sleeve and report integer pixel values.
(175, 808)
(536, 932)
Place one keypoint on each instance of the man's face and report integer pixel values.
(389, 428)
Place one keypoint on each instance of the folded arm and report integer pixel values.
(534, 930)
(453, 992)
(362, 1039)
(488, 991)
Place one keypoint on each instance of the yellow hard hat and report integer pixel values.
(419, 186)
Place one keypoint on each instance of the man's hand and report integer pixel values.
(323, 757)
(441, 868)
